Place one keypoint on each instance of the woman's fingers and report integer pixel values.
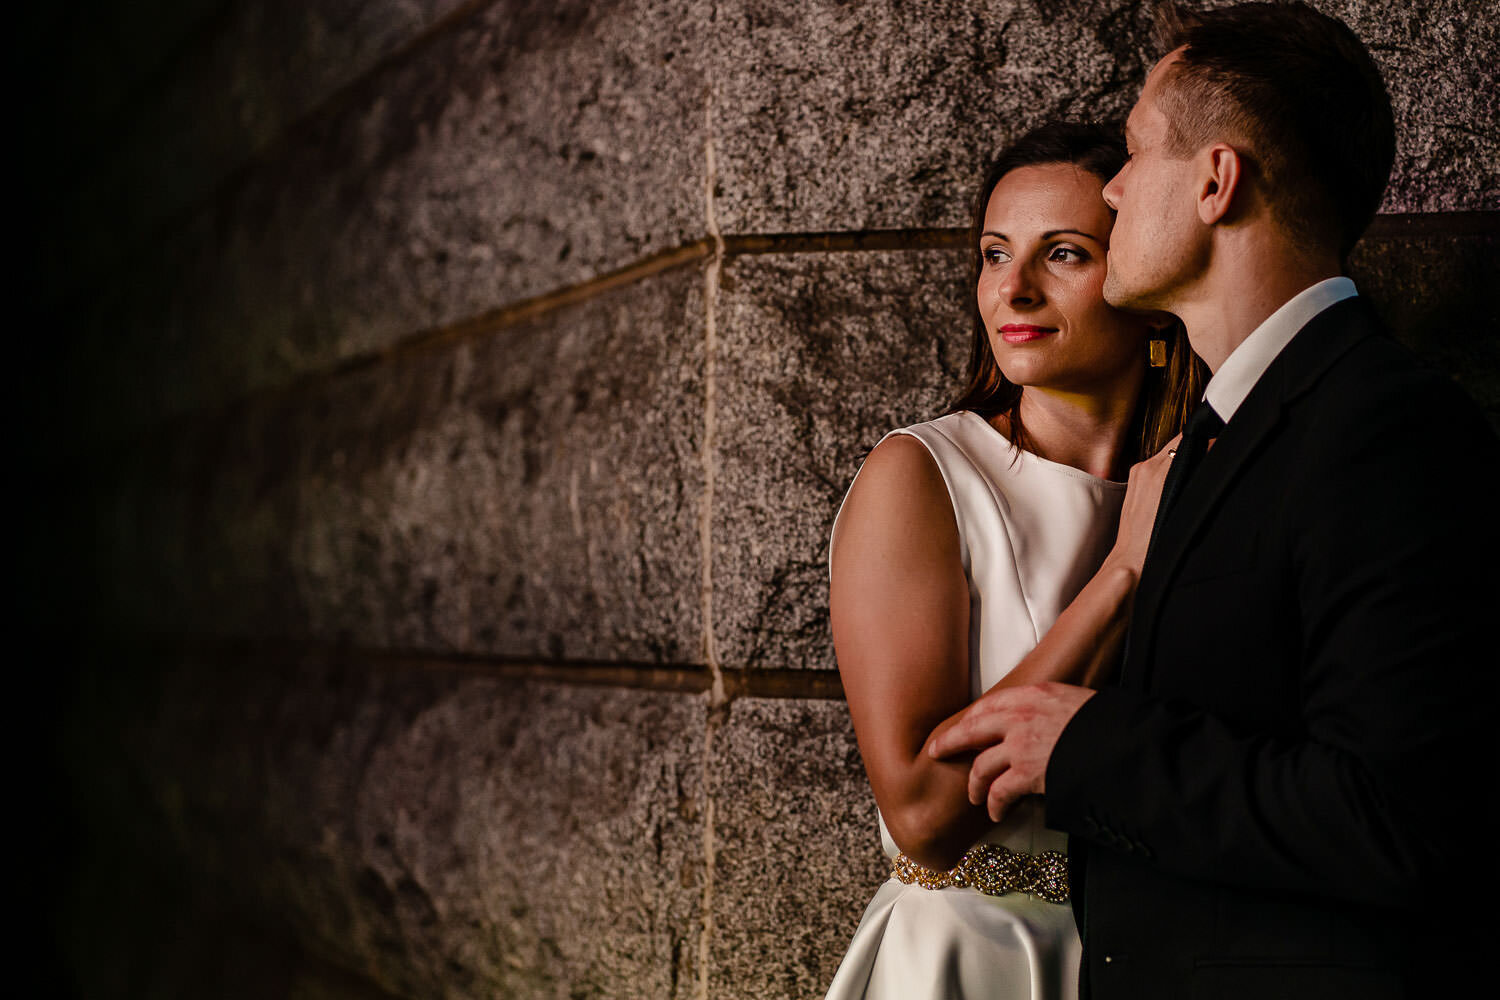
(1138, 514)
(1146, 477)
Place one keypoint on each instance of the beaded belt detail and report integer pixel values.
(994, 871)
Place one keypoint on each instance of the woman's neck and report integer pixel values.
(1087, 431)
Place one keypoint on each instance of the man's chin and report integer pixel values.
(1123, 296)
(1117, 294)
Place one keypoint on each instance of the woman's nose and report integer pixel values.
(1019, 284)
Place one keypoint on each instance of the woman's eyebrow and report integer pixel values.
(1047, 235)
(1076, 232)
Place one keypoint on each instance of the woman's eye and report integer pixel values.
(1068, 255)
(994, 255)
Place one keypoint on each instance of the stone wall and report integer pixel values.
(440, 411)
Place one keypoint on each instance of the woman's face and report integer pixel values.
(1041, 285)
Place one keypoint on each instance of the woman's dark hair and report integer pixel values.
(1169, 392)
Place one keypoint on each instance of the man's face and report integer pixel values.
(1158, 245)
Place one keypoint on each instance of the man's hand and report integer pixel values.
(1013, 730)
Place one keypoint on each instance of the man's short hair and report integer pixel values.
(1296, 91)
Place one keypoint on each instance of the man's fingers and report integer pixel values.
(1004, 793)
(988, 766)
(974, 733)
(982, 724)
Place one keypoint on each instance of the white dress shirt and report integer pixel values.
(1249, 361)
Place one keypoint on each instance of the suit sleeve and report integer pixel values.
(1377, 797)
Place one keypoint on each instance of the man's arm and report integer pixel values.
(1396, 556)
(1395, 553)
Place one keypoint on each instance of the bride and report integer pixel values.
(964, 539)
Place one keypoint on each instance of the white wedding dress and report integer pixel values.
(1032, 532)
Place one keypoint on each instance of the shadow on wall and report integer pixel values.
(435, 416)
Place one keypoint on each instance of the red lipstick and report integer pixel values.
(1020, 333)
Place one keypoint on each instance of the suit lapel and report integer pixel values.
(1294, 371)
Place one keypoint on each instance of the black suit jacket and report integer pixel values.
(1290, 790)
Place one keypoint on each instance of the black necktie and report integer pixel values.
(1203, 425)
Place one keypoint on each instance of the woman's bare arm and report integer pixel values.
(899, 604)
(899, 607)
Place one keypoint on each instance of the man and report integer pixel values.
(1289, 791)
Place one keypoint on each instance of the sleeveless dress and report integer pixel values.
(1031, 532)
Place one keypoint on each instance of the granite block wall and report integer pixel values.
(435, 418)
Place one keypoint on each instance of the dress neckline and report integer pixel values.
(1067, 470)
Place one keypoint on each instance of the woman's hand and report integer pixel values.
(1139, 513)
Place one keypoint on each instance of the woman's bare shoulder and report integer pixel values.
(899, 497)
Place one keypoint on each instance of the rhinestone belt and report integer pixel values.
(994, 871)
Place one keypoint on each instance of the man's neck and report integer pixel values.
(1246, 282)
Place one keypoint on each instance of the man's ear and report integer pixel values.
(1222, 170)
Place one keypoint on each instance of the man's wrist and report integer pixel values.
(1085, 743)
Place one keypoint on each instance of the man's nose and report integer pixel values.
(1113, 189)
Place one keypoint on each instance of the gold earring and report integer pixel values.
(1156, 353)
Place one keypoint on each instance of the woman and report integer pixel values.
(962, 541)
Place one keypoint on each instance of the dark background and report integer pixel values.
(430, 417)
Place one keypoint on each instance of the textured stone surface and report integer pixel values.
(535, 492)
(831, 115)
(1437, 295)
(797, 848)
(1439, 66)
(819, 356)
(235, 78)
(538, 493)
(441, 835)
(536, 146)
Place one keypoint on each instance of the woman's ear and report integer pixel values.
(1220, 180)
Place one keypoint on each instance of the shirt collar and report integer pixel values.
(1249, 361)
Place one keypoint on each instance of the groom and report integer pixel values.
(1289, 792)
